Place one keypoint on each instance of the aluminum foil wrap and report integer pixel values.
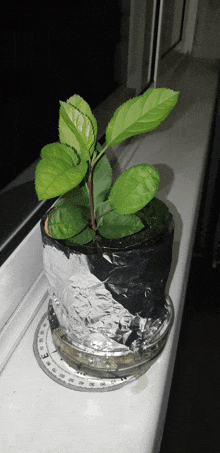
(109, 302)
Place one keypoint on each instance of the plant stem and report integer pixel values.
(91, 202)
(92, 163)
(100, 155)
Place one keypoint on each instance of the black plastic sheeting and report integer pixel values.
(136, 278)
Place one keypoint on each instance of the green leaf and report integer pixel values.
(156, 214)
(76, 130)
(140, 114)
(114, 226)
(84, 237)
(134, 189)
(61, 151)
(81, 105)
(56, 175)
(102, 180)
(66, 220)
(78, 196)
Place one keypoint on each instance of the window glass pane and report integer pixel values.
(58, 51)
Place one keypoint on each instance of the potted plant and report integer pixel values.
(107, 247)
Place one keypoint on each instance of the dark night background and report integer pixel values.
(50, 52)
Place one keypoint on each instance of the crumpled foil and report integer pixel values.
(110, 302)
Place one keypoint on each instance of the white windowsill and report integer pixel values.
(37, 414)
